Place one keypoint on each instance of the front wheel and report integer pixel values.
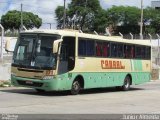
(76, 87)
(127, 83)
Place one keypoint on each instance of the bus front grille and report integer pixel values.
(34, 84)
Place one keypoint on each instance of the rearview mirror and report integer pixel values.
(55, 45)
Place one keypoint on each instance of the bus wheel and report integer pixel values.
(75, 87)
(40, 91)
(127, 83)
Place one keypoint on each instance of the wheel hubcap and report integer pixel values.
(76, 86)
(127, 83)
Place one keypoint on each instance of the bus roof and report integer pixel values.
(74, 33)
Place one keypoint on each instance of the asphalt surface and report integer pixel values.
(140, 99)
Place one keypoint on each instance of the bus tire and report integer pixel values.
(40, 91)
(76, 87)
(126, 84)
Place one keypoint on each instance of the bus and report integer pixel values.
(58, 60)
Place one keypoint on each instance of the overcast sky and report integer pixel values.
(45, 8)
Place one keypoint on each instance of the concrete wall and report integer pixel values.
(5, 71)
(155, 4)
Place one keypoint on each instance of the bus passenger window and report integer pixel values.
(140, 52)
(132, 52)
(114, 50)
(106, 50)
(120, 50)
(90, 48)
(82, 47)
(148, 53)
(98, 49)
(127, 51)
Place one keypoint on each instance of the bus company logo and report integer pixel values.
(111, 64)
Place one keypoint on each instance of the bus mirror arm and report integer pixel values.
(59, 57)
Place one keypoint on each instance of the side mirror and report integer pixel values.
(10, 44)
(55, 45)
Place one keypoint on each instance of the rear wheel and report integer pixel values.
(76, 87)
(127, 83)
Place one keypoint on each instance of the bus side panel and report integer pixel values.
(110, 79)
(98, 80)
(140, 77)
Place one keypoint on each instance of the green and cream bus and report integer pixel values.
(57, 60)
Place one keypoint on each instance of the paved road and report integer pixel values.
(140, 99)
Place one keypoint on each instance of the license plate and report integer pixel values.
(29, 82)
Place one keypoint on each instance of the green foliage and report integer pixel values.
(124, 18)
(59, 14)
(89, 16)
(12, 20)
(101, 21)
(80, 13)
(5, 83)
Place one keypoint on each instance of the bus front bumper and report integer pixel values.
(47, 85)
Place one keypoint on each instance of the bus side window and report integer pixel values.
(120, 50)
(143, 52)
(148, 53)
(114, 50)
(132, 52)
(98, 49)
(127, 51)
(105, 49)
(82, 47)
(140, 52)
(90, 48)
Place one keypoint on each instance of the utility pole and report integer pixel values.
(157, 62)
(21, 16)
(64, 15)
(50, 25)
(141, 23)
(86, 5)
(2, 35)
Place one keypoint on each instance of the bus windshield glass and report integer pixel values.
(35, 51)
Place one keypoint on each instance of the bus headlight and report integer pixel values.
(47, 77)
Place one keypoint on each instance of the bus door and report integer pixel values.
(63, 63)
(67, 55)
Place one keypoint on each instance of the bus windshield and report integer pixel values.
(35, 51)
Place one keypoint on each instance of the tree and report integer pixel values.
(151, 20)
(88, 16)
(101, 21)
(12, 20)
(124, 19)
(81, 14)
(59, 14)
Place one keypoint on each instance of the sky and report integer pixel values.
(45, 8)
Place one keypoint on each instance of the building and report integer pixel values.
(155, 4)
